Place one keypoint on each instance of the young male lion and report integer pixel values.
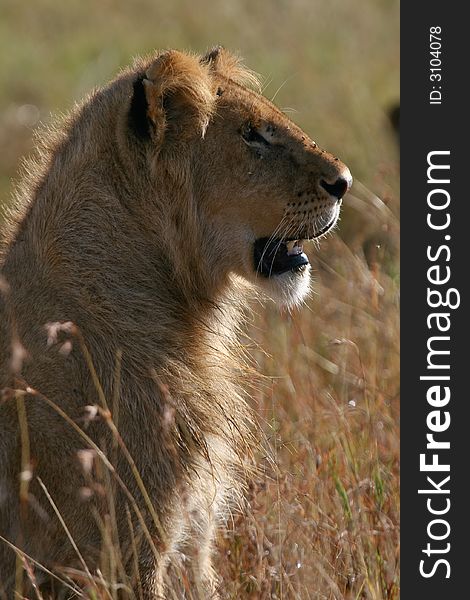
(146, 216)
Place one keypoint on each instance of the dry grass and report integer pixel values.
(323, 514)
(323, 520)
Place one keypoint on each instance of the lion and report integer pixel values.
(148, 218)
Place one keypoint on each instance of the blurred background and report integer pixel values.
(323, 513)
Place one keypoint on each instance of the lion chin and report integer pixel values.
(290, 289)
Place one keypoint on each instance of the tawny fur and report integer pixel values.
(136, 223)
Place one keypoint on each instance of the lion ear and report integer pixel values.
(230, 66)
(180, 97)
(213, 56)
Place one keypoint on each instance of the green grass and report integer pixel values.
(323, 516)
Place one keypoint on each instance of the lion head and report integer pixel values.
(259, 184)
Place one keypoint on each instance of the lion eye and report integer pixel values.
(252, 137)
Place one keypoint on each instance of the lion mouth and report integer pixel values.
(275, 257)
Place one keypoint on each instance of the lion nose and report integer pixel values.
(339, 187)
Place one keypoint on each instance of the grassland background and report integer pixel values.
(322, 520)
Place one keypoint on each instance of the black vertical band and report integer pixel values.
(435, 415)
